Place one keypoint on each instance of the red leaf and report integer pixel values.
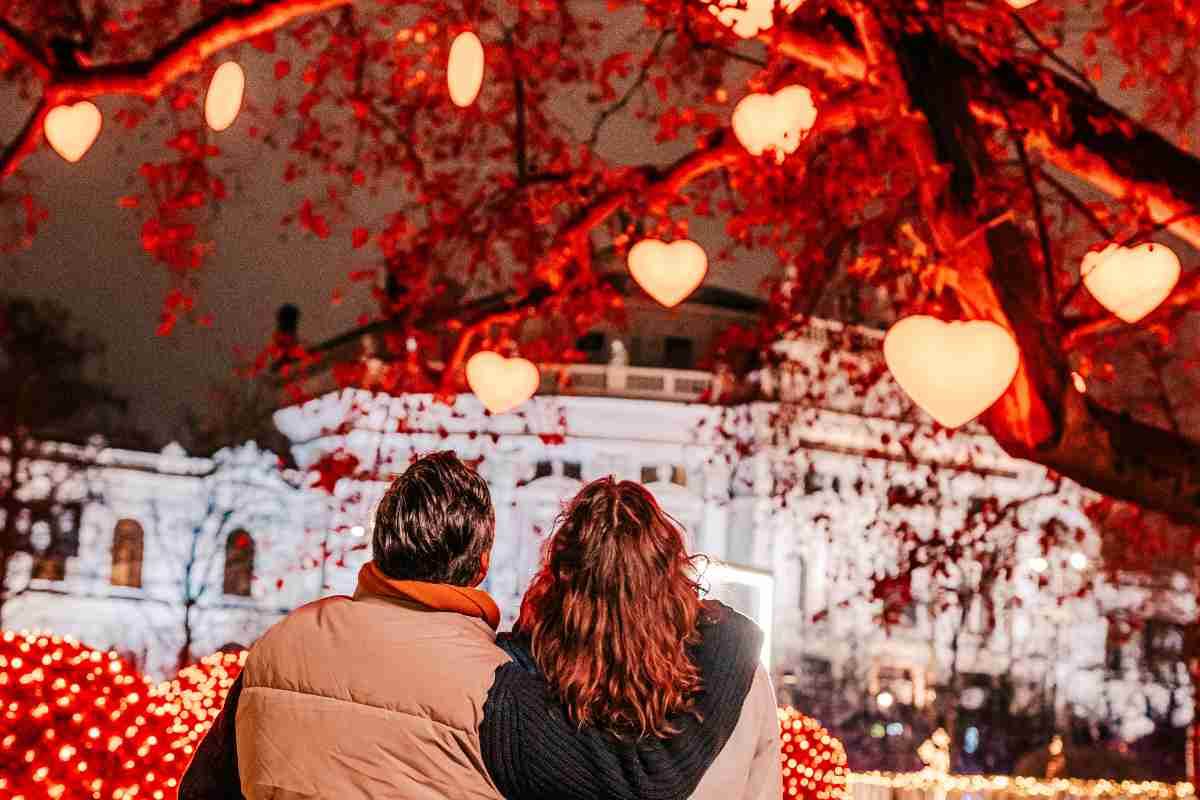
(359, 237)
(264, 42)
(283, 68)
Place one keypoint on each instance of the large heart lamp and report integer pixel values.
(953, 370)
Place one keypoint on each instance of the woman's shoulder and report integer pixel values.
(519, 649)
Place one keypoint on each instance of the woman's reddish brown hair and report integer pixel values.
(612, 611)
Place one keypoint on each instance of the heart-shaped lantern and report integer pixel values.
(500, 383)
(748, 18)
(71, 130)
(224, 98)
(1131, 281)
(464, 69)
(953, 370)
(668, 272)
(778, 122)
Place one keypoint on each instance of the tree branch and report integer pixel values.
(148, 78)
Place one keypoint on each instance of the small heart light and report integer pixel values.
(1131, 281)
(464, 70)
(668, 272)
(500, 383)
(71, 130)
(224, 98)
(778, 122)
(954, 371)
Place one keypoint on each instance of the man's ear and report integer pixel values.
(485, 561)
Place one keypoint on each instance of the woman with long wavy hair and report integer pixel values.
(614, 642)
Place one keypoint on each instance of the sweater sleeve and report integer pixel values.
(213, 771)
(766, 771)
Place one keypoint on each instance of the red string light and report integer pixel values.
(814, 761)
(81, 723)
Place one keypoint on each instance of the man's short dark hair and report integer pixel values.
(435, 522)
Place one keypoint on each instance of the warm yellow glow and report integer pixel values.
(954, 371)
(500, 383)
(748, 18)
(464, 70)
(931, 781)
(668, 272)
(778, 122)
(1131, 281)
(1019, 4)
(71, 130)
(224, 98)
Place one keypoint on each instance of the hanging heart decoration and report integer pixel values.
(1131, 281)
(464, 69)
(668, 272)
(500, 383)
(954, 371)
(224, 98)
(779, 121)
(72, 130)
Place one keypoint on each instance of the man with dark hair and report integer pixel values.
(382, 696)
(436, 524)
(379, 695)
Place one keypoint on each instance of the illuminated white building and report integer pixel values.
(786, 508)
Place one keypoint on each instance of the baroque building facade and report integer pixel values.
(786, 492)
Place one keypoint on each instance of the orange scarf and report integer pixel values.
(434, 596)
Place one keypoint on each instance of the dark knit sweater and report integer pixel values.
(533, 752)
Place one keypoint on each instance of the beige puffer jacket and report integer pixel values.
(370, 698)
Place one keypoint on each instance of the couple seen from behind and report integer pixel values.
(617, 681)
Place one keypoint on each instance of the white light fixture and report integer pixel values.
(358, 531)
(1039, 564)
(1078, 561)
(885, 700)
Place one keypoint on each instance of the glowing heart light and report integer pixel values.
(464, 70)
(748, 18)
(668, 272)
(1131, 281)
(953, 370)
(778, 122)
(224, 98)
(71, 130)
(500, 383)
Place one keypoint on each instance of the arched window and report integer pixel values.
(128, 540)
(239, 563)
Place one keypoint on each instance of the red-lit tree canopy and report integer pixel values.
(964, 157)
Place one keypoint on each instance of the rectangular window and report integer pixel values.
(677, 353)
